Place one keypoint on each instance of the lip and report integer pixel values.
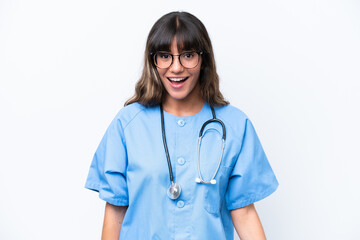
(177, 85)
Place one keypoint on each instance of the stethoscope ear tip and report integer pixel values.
(198, 180)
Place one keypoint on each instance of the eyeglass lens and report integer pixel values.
(187, 59)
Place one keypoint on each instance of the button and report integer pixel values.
(180, 204)
(181, 161)
(181, 123)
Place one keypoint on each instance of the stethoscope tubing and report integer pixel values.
(214, 119)
(165, 145)
(212, 180)
(175, 189)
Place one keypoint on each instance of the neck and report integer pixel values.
(183, 107)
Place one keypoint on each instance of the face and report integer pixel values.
(181, 83)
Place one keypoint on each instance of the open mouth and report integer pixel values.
(177, 80)
(177, 83)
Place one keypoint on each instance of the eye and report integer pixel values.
(188, 55)
(164, 55)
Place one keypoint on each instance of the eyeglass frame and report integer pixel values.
(177, 55)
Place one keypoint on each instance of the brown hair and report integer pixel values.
(190, 34)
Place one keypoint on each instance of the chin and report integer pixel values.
(178, 96)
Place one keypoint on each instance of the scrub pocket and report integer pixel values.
(215, 193)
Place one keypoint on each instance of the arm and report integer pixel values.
(247, 223)
(113, 219)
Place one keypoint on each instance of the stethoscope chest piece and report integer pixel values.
(174, 191)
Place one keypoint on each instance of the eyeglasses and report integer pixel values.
(189, 59)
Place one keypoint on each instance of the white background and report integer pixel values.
(67, 67)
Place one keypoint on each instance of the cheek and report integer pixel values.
(196, 74)
(197, 70)
(161, 73)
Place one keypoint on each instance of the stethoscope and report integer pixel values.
(174, 189)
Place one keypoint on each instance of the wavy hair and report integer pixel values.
(190, 34)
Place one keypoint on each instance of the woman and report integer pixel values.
(159, 178)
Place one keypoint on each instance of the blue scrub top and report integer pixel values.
(129, 168)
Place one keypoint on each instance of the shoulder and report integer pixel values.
(231, 114)
(130, 112)
(235, 119)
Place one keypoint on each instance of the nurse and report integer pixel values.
(158, 179)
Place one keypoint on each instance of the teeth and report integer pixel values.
(176, 79)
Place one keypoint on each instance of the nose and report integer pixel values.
(176, 65)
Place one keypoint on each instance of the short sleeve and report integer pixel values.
(107, 174)
(252, 177)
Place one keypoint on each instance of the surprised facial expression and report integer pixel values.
(180, 83)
